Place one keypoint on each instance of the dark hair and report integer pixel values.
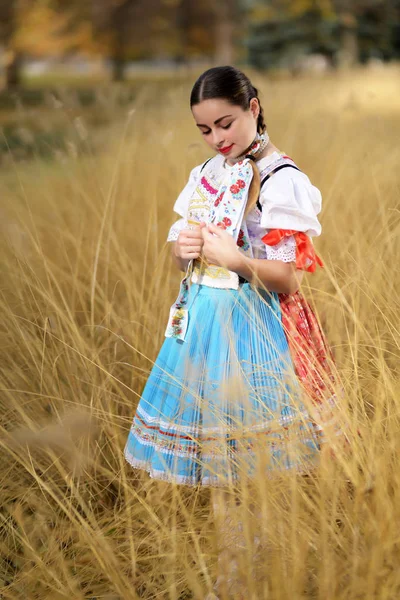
(230, 84)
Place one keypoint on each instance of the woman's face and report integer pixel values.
(227, 128)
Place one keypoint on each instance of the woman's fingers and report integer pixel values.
(193, 247)
(190, 250)
(215, 229)
(191, 255)
(190, 242)
(192, 234)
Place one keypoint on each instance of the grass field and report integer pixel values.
(86, 283)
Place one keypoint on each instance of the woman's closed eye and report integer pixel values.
(222, 127)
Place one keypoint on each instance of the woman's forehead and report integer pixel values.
(214, 109)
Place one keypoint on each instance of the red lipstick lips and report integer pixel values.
(226, 149)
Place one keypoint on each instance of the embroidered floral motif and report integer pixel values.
(218, 200)
(243, 241)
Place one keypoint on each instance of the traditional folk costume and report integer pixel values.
(243, 382)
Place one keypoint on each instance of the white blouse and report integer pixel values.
(288, 201)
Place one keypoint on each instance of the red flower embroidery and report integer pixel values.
(234, 188)
(218, 200)
(226, 221)
(221, 224)
(241, 183)
(240, 242)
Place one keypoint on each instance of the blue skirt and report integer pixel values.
(226, 402)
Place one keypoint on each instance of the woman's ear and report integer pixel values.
(255, 107)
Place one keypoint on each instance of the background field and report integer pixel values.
(86, 282)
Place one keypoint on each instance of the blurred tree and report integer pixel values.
(179, 29)
(114, 18)
(208, 28)
(226, 13)
(281, 32)
(126, 29)
(33, 28)
(9, 10)
(346, 30)
(365, 29)
(43, 32)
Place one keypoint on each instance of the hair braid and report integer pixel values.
(254, 191)
(261, 126)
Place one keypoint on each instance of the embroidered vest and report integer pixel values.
(200, 206)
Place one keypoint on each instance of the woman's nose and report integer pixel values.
(218, 138)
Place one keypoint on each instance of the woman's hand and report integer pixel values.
(276, 276)
(219, 247)
(189, 244)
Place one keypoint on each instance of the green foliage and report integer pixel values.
(273, 42)
(279, 35)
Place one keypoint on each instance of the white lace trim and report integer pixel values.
(176, 229)
(285, 250)
(209, 480)
(196, 431)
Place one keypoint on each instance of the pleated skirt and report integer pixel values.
(227, 402)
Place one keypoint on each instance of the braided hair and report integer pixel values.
(261, 126)
(232, 85)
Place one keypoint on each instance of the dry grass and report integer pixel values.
(86, 283)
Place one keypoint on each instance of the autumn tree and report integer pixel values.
(126, 29)
(9, 12)
(34, 28)
(182, 29)
(123, 24)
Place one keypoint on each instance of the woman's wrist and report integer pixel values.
(275, 275)
(180, 262)
(242, 265)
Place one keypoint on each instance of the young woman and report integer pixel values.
(229, 394)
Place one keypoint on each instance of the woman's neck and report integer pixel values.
(268, 150)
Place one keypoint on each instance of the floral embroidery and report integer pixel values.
(241, 183)
(227, 222)
(234, 188)
(243, 241)
(176, 322)
(218, 200)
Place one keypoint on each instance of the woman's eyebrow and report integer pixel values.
(215, 122)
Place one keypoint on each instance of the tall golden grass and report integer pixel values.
(86, 282)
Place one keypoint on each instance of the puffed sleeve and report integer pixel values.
(182, 204)
(290, 205)
(290, 201)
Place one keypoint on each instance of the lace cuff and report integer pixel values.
(285, 250)
(305, 255)
(176, 229)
